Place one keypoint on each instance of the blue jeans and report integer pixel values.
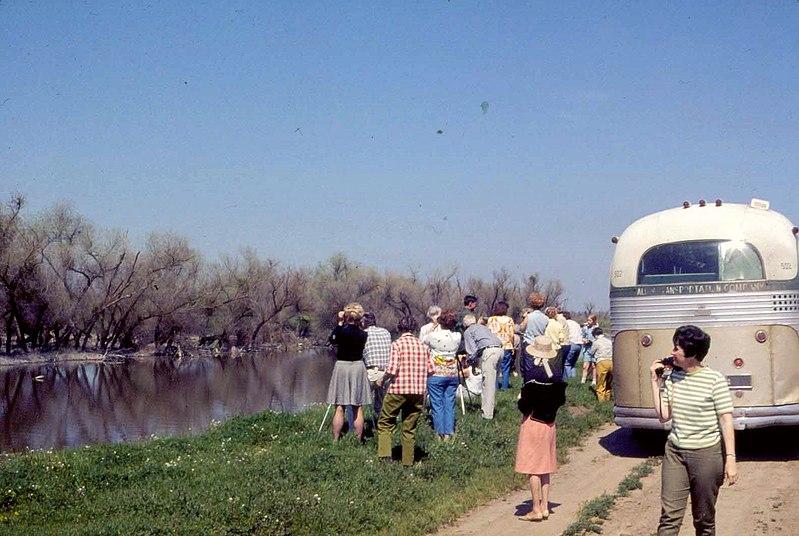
(504, 369)
(570, 360)
(442, 402)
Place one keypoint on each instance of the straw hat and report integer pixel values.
(541, 347)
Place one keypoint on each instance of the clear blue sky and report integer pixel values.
(302, 129)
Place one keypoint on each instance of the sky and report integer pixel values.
(407, 135)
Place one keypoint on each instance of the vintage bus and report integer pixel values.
(730, 269)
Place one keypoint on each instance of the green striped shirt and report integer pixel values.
(697, 400)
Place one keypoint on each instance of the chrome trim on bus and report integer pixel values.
(733, 309)
(743, 418)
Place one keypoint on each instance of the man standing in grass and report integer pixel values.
(469, 308)
(406, 375)
(376, 354)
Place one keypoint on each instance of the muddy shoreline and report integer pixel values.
(54, 358)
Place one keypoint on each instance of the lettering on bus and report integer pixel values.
(701, 288)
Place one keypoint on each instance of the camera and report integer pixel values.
(666, 361)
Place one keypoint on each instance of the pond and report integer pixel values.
(75, 404)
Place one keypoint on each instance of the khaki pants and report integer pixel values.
(604, 376)
(698, 472)
(411, 408)
(489, 363)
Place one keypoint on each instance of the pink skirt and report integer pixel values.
(536, 453)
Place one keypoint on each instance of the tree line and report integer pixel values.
(65, 284)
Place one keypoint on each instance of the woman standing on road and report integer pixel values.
(697, 401)
(441, 386)
(349, 384)
(541, 397)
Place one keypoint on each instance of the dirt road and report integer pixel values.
(764, 501)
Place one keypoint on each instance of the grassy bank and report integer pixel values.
(273, 473)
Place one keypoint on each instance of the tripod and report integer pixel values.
(462, 381)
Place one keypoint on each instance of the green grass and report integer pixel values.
(272, 473)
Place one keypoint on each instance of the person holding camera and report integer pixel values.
(700, 451)
(349, 384)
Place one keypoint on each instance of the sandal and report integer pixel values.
(531, 517)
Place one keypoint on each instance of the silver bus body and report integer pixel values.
(730, 269)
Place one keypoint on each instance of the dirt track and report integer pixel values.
(764, 501)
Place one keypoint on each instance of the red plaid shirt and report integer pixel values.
(410, 365)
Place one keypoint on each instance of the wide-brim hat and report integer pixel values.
(541, 347)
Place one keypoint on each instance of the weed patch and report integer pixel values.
(594, 512)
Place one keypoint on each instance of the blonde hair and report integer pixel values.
(353, 312)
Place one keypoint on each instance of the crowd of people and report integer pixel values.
(544, 348)
(450, 352)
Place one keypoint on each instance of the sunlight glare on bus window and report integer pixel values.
(739, 261)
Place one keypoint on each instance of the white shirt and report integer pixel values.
(575, 332)
(426, 329)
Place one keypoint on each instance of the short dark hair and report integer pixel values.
(406, 324)
(501, 308)
(368, 319)
(448, 319)
(693, 341)
(567, 315)
(597, 331)
(469, 299)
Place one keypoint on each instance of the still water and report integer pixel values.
(70, 405)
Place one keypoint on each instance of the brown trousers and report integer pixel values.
(695, 472)
(411, 408)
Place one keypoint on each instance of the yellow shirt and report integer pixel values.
(557, 333)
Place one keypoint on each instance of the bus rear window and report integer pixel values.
(689, 262)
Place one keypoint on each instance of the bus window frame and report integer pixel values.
(697, 276)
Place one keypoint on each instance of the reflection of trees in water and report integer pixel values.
(97, 402)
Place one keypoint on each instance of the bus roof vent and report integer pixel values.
(759, 203)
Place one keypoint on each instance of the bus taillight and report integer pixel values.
(760, 336)
(738, 362)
